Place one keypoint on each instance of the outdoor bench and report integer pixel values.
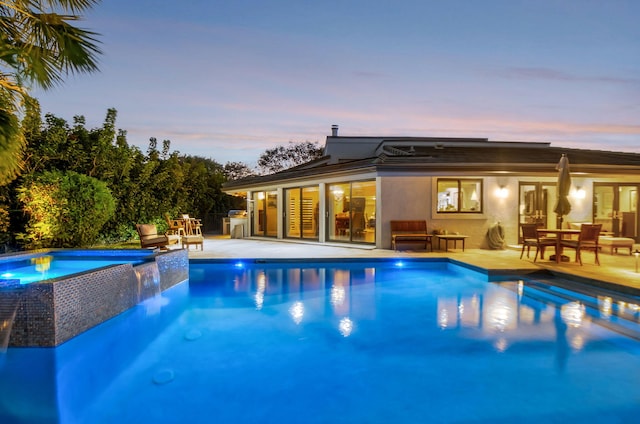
(410, 232)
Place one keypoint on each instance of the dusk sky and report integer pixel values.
(228, 79)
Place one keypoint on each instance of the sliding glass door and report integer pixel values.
(302, 210)
(264, 220)
(351, 212)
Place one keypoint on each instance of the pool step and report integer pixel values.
(621, 305)
(622, 314)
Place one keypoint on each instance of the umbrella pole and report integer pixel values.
(563, 258)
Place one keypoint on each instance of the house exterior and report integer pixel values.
(463, 185)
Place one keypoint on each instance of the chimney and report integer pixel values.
(334, 130)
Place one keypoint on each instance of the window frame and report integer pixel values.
(459, 201)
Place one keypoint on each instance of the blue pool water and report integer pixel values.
(426, 342)
(27, 269)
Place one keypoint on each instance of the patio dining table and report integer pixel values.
(560, 234)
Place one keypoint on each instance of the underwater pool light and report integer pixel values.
(399, 264)
(239, 265)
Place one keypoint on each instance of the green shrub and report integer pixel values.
(65, 209)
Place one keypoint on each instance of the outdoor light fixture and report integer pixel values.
(502, 192)
(637, 254)
(580, 193)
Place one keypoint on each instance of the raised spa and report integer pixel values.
(48, 297)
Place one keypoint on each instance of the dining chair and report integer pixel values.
(175, 226)
(531, 238)
(192, 226)
(587, 240)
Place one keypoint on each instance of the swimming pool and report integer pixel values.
(349, 342)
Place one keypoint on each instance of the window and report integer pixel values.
(456, 196)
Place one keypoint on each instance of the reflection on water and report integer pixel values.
(504, 313)
(42, 263)
(297, 312)
(261, 281)
(605, 306)
(501, 344)
(270, 286)
(572, 314)
(346, 326)
(501, 311)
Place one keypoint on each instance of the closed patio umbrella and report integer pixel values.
(563, 207)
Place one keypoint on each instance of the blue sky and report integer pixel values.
(228, 79)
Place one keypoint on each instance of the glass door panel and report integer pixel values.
(258, 214)
(536, 203)
(615, 206)
(271, 214)
(627, 215)
(363, 210)
(310, 211)
(603, 207)
(302, 208)
(338, 212)
(264, 219)
(292, 225)
(351, 212)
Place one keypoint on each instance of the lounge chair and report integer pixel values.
(531, 238)
(149, 237)
(587, 240)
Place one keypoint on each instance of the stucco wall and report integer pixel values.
(414, 197)
(402, 198)
(495, 209)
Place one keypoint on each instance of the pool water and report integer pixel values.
(425, 342)
(32, 268)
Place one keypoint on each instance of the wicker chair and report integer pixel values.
(587, 240)
(531, 238)
(175, 226)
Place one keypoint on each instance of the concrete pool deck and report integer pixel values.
(616, 271)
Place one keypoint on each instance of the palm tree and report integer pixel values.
(38, 46)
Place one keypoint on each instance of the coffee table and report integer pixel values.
(450, 237)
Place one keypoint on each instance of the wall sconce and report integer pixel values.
(580, 193)
(502, 192)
